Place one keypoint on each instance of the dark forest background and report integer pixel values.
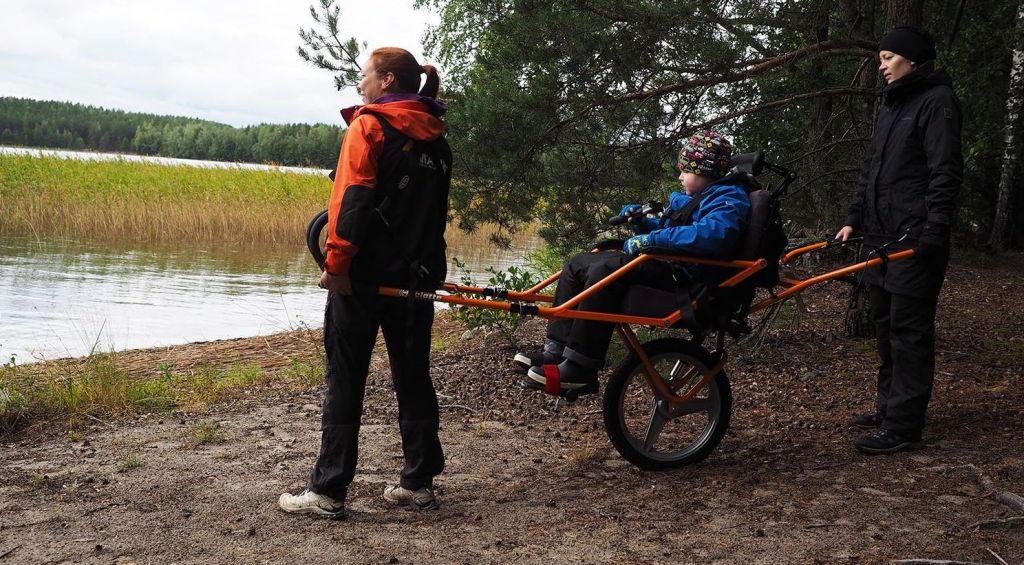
(563, 110)
(64, 125)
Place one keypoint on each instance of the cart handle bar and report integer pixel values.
(524, 303)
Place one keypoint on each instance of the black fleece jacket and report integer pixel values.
(911, 177)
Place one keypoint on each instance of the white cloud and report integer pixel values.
(232, 61)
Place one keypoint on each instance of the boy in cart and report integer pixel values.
(706, 219)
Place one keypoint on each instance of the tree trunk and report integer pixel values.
(903, 13)
(860, 24)
(1002, 224)
(822, 204)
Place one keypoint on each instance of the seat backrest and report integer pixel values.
(760, 209)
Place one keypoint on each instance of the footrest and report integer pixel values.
(568, 395)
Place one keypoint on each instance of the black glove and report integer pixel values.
(932, 244)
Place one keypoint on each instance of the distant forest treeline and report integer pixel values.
(64, 125)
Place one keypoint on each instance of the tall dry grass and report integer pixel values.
(118, 200)
(121, 201)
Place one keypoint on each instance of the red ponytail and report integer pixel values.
(432, 84)
(407, 71)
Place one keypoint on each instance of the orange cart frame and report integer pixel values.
(702, 372)
(526, 302)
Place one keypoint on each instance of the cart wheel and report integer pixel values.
(314, 237)
(638, 423)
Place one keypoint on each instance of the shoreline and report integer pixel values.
(785, 480)
(193, 377)
(84, 155)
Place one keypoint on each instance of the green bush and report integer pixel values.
(507, 324)
(547, 260)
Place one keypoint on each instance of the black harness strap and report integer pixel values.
(684, 300)
(684, 215)
(883, 254)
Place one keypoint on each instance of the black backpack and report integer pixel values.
(411, 202)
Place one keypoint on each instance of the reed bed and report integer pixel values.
(120, 200)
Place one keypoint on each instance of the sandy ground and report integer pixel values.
(531, 481)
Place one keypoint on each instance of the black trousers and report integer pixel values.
(905, 334)
(350, 330)
(585, 341)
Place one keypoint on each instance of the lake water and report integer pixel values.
(65, 299)
(98, 156)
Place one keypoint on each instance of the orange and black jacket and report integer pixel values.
(389, 204)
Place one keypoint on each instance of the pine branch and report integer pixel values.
(341, 55)
(783, 102)
(755, 68)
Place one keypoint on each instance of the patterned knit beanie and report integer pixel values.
(706, 153)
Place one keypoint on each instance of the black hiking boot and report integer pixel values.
(868, 421)
(886, 441)
(523, 361)
(570, 376)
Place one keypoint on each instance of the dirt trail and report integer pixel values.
(527, 482)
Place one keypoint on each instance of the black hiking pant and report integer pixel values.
(905, 334)
(585, 341)
(350, 331)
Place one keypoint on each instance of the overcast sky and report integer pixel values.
(232, 61)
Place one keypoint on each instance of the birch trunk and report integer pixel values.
(1001, 223)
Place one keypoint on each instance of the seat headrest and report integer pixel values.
(752, 163)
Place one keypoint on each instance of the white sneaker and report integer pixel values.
(309, 502)
(421, 499)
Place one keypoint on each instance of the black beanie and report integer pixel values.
(909, 42)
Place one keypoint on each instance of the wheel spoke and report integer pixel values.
(693, 406)
(652, 432)
(655, 423)
(675, 370)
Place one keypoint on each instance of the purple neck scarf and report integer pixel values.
(434, 106)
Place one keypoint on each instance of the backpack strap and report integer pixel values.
(684, 215)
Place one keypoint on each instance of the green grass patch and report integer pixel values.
(308, 373)
(37, 481)
(438, 344)
(209, 432)
(131, 462)
(787, 314)
(864, 346)
(76, 391)
(209, 385)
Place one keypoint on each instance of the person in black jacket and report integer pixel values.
(907, 189)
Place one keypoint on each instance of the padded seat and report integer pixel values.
(642, 300)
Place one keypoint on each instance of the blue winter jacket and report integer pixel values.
(718, 223)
